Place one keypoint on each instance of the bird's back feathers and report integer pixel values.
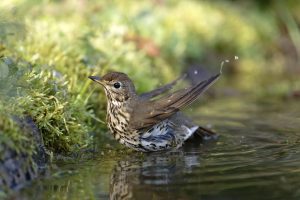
(146, 113)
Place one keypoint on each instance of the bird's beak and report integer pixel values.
(96, 79)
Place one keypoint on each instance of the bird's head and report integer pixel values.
(117, 86)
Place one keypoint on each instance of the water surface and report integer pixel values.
(257, 156)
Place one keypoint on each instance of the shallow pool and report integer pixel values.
(257, 156)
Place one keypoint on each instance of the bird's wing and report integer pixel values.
(147, 113)
(161, 90)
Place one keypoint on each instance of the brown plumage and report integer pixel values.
(149, 112)
(130, 116)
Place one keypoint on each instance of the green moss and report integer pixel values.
(10, 137)
(41, 93)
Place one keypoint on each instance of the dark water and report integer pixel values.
(257, 156)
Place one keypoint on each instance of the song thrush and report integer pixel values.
(146, 124)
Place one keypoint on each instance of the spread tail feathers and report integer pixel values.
(205, 134)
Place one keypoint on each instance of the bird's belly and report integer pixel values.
(165, 135)
(162, 136)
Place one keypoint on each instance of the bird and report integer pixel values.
(151, 121)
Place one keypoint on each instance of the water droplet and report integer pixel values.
(236, 57)
(196, 72)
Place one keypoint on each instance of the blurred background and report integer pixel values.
(48, 48)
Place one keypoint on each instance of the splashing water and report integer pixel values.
(226, 61)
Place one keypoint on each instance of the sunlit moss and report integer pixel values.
(43, 95)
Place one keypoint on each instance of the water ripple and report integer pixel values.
(257, 156)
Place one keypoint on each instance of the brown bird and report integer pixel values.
(146, 124)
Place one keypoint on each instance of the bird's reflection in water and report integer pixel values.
(136, 178)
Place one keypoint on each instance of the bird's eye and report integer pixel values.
(117, 85)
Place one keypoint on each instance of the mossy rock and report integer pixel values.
(19, 166)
